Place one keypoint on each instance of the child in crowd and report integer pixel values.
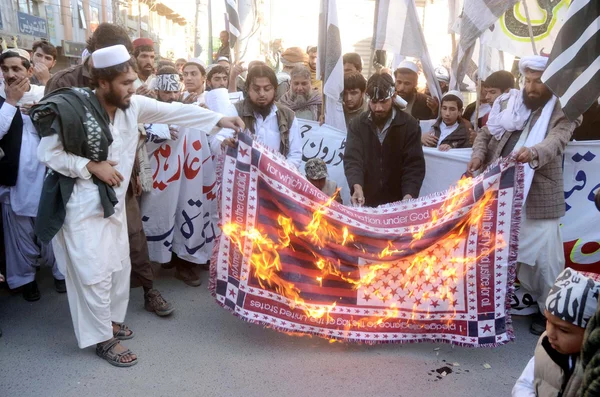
(555, 369)
(316, 173)
(449, 131)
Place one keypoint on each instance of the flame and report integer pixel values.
(266, 264)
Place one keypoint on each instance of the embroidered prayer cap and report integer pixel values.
(199, 62)
(534, 62)
(20, 52)
(294, 56)
(408, 66)
(143, 41)
(455, 93)
(315, 169)
(442, 74)
(574, 297)
(167, 82)
(110, 56)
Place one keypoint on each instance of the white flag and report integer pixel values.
(330, 66)
(397, 29)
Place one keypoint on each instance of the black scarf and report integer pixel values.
(83, 127)
(11, 146)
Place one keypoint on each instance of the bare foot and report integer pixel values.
(116, 327)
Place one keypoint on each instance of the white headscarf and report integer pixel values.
(534, 62)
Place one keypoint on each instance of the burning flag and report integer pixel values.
(438, 268)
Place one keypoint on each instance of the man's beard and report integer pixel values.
(263, 110)
(381, 118)
(536, 103)
(300, 100)
(407, 97)
(113, 99)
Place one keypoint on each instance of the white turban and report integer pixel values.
(574, 297)
(534, 62)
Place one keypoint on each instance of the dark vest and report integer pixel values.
(11, 146)
(285, 118)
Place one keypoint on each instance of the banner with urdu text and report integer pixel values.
(437, 268)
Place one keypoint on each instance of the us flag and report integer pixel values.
(405, 275)
(573, 72)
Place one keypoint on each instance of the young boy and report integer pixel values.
(316, 173)
(449, 131)
(555, 369)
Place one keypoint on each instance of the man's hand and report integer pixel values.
(234, 123)
(524, 155)
(26, 108)
(238, 69)
(433, 104)
(106, 172)
(444, 148)
(429, 139)
(474, 165)
(145, 91)
(16, 90)
(192, 98)
(174, 133)
(358, 198)
(41, 72)
(231, 142)
(407, 197)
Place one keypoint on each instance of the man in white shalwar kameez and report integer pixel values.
(93, 251)
(20, 199)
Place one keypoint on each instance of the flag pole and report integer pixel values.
(529, 27)
(371, 62)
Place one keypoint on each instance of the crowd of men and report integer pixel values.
(88, 188)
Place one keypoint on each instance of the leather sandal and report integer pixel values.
(122, 332)
(106, 351)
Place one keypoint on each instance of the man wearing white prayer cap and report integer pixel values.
(529, 125)
(420, 106)
(91, 161)
(194, 78)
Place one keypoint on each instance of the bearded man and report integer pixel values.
(89, 142)
(217, 77)
(267, 121)
(384, 160)
(305, 101)
(178, 210)
(530, 125)
(420, 106)
(143, 52)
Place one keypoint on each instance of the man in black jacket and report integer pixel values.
(384, 160)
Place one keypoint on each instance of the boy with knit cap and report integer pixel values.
(555, 369)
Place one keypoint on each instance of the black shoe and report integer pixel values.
(538, 325)
(60, 286)
(31, 292)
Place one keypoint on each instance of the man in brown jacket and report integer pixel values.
(536, 136)
(106, 35)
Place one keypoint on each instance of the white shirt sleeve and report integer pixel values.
(51, 153)
(218, 138)
(294, 157)
(524, 386)
(7, 113)
(151, 111)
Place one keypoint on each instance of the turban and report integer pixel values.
(574, 297)
(110, 56)
(535, 62)
(167, 82)
(294, 56)
(441, 74)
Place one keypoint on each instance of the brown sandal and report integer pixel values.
(106, 351)
(122, 334)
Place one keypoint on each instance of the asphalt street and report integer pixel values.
(203, 350)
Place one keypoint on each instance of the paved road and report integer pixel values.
(203, 350)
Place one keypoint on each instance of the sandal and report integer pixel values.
(122, 333)
(106, 351)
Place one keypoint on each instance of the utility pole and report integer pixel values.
(210, 32)
(117, 14)
(196, 31)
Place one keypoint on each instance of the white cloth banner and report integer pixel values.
(177, 213)
(579, 226)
